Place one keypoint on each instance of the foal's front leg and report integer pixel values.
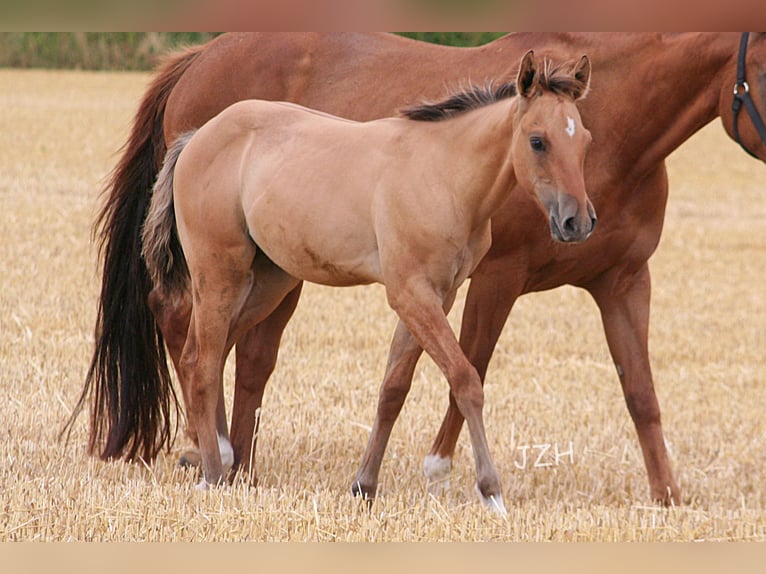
(491, 295)
(424, 314)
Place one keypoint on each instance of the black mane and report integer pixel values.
(460, 102)
(550, 77)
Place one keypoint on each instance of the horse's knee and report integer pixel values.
(158, 305)
(466, 387)
(264, 359)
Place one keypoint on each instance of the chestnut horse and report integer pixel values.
(650, 93)
(268, 194)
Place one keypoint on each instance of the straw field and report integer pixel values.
(551, 381)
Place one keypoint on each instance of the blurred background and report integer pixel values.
(140, 50)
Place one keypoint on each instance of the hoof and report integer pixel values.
(190, 458)
(669, 498)
(203, 485)
(362, 493)
(494, 503)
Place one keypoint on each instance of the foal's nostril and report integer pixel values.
(569, 225)
(593, 221)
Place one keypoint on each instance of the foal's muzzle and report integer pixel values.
(571, 223)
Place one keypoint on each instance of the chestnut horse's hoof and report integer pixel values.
(669, 498)
(192, 458)
(364, 493)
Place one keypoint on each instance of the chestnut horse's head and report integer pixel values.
(742, 100)
(550, 144)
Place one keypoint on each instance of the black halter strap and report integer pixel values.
(742, 96)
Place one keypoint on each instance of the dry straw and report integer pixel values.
(551, 381)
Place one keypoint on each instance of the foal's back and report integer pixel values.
(317, 192)
(302, 180)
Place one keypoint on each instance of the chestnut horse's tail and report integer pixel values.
(128, 379)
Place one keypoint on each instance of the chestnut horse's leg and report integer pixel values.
(425, 318)
(256, 357)
(623, 298)
(488, 303)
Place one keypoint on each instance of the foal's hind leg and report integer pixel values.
(233, 290)
(256, 357)
(201, 366)
(173, 317)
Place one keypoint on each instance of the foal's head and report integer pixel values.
(550, 142)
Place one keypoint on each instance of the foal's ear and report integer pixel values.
(526, 80)
(581, 73)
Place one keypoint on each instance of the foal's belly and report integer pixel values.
(314, 238)
(328, 257)
(317, 267)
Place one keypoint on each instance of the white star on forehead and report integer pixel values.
(570, 127)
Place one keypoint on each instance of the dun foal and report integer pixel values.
(268, 194)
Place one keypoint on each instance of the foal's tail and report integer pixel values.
(162, 251)
(128, 379)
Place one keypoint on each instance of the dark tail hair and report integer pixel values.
(128, 379)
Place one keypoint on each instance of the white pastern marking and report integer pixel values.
(227, 452)
(227, 460)
(570, 127)
(437, 469)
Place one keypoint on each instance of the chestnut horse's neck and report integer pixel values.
(650, 93)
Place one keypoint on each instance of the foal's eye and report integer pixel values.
(537, 143)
